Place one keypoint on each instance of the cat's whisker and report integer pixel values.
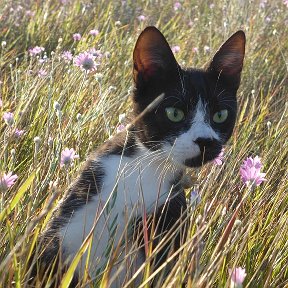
(227, 102)
(154, 155)
(220, 93)
(181, 81)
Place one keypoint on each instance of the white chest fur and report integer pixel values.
(130, 186)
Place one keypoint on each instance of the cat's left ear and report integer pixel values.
(228, 60)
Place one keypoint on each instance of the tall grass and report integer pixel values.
(88, 115)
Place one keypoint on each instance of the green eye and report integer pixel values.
(220, 116)
(174, 114)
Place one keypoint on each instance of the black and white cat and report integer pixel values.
(138, 170)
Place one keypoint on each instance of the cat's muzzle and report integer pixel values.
(209, 148)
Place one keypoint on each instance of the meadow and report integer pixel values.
(48, 103)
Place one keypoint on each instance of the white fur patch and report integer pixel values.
(184, 146)
(137, 182)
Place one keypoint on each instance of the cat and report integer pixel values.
(137, 172)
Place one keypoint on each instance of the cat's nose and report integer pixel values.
(205, 143)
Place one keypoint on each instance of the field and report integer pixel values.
(55, 104)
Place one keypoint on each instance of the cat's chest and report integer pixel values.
(130, 185)
(137, 181)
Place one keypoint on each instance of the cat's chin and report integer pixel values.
(199, 160)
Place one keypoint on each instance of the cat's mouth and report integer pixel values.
(201, 159)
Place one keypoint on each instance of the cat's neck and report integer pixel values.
(138, 170)
(129, 144)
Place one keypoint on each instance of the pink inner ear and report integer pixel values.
(147, 63)
(149, 72)
(231, 63)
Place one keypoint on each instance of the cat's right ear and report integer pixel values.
(152, 57)
(228, 60)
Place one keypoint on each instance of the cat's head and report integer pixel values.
(198, 111)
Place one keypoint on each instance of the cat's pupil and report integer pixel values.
(175, 113)
(219, 114)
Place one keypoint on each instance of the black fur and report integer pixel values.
(85, 187)
(156, 128)
(122, 143)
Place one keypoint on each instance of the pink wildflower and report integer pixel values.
(67, 56)
(18, 133)
(94, 32)
(85, 61)
(29, 13)
(175, 49)
(77, 36)
(263, 3)
(68, 156)
(268, 19)
(36, 50)
(6, 181)
(95, 53)
(43, 60)
(195, 49)
(8, 118)
(285, 2)
(177, 6)
(237, 276)
(250, 171)
(141, 18)
(219, 159)
(42, 73)
(120, 128)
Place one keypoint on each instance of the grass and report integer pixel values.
(258, 240)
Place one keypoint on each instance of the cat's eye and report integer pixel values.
(174, 114)
(220, 116)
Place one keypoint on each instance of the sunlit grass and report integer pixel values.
(89, 105)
